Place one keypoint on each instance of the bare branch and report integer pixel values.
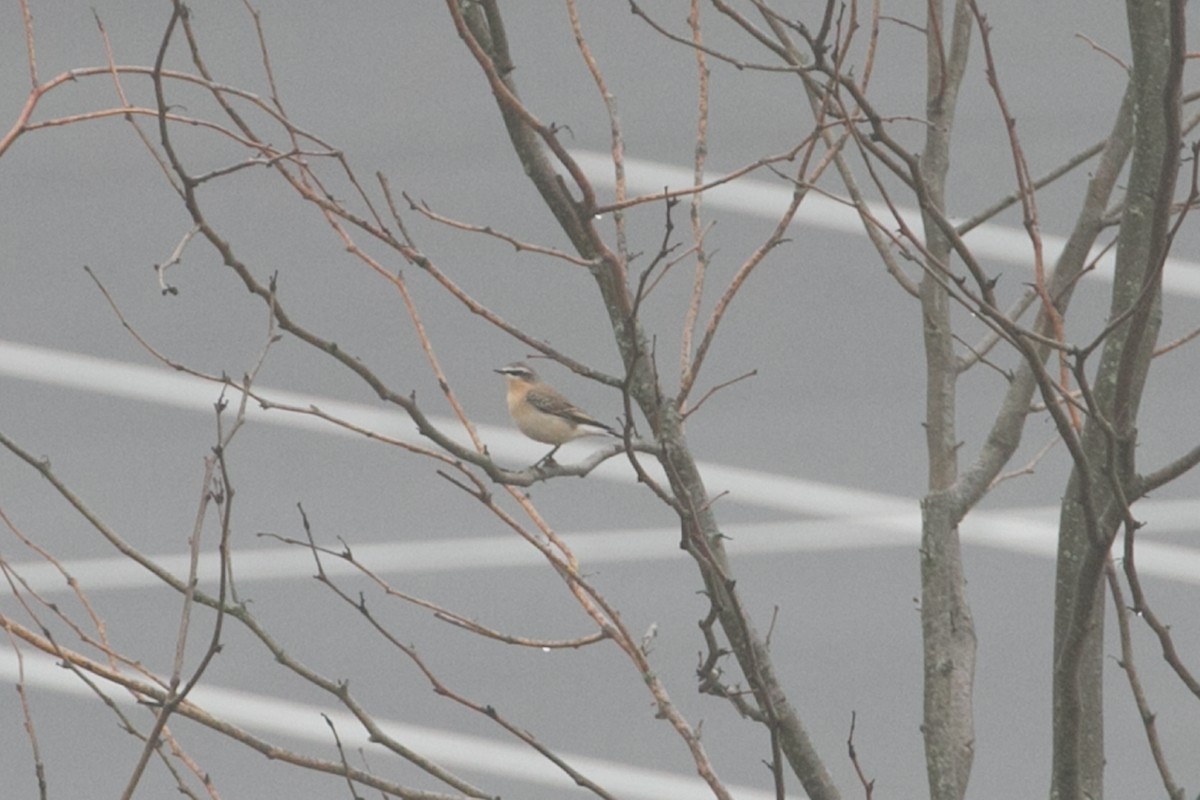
(1126, 663)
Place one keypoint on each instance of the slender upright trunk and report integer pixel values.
(1091, 509)
(947, 628)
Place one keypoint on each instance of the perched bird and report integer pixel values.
(543, 414)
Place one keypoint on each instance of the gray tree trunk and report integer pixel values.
(1094, 504)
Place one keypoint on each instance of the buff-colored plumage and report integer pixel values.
(542, 413)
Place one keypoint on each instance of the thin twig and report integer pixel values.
(1029, 468)
(519, 245)
(751, 374)
(1126, 663)
(699, 162)
(868, 785)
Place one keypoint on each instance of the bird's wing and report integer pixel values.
(552, 402)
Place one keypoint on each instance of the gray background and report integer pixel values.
(825, 528)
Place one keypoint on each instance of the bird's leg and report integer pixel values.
(549, 457)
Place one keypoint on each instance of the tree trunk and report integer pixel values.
(948, 631)
(1093, 506)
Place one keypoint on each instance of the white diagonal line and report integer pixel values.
(768, 199)
(266, 715)
(845, 517)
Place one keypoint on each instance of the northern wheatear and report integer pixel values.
(543, 414)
